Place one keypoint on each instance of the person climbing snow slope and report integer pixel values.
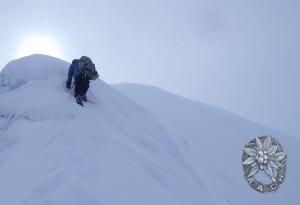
(82, 70)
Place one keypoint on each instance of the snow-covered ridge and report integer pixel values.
(129, 144)
(30, 68)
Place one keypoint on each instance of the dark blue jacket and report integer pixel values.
(73, 70)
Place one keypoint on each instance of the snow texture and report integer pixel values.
(129, 144)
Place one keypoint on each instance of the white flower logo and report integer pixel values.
(264, 156)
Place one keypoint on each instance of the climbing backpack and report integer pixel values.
(87, 67)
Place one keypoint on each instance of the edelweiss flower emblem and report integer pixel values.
(264, 154)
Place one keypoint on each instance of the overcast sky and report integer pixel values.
(239, 55)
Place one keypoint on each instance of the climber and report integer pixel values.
(82, 70)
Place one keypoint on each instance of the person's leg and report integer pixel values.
(83, 97)
(85, 88)
(79, 88)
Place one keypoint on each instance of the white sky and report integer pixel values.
(239, 55)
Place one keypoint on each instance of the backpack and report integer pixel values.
(87, 67)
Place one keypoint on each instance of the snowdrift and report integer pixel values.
(129, 144)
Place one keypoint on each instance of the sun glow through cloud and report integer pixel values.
(39, 45)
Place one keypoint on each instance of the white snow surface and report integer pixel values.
(129, 144)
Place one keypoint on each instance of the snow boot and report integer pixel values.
(79, 100)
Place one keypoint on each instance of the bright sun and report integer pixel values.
(39, 45)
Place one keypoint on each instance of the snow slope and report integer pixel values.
(212, 141)
(130, 144)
